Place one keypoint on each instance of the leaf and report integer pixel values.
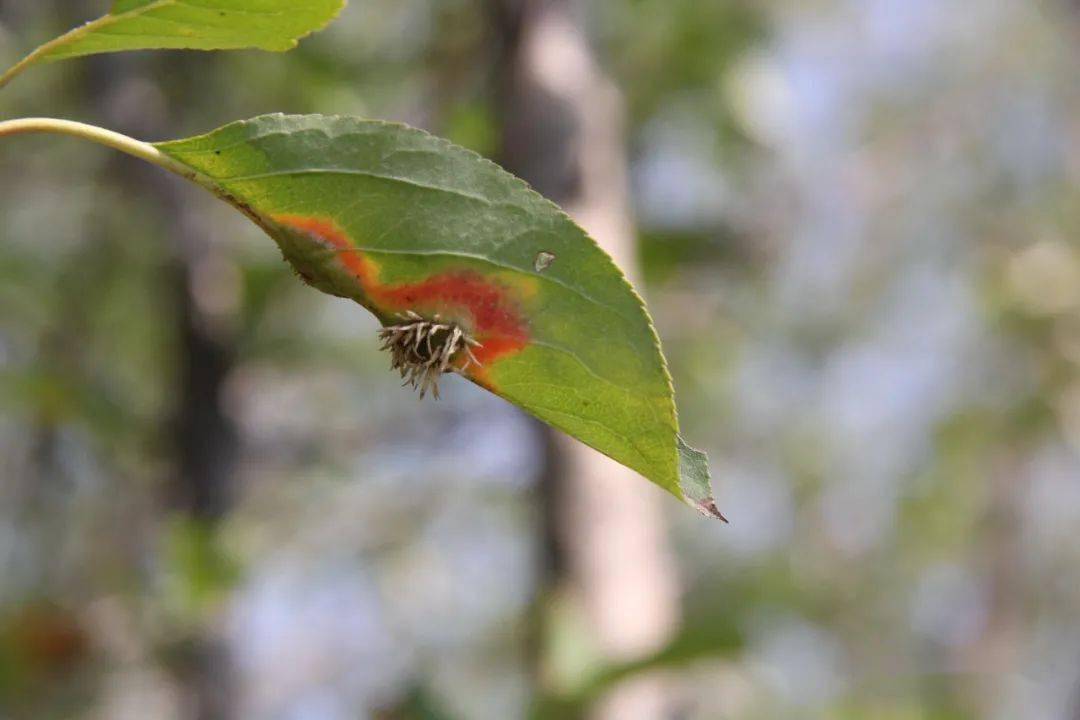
(189, 24)
(398, 221)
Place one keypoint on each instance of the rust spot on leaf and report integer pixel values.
(495, 320)
(328, 233)
(487, 307)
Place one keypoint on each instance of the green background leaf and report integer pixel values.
(190, 24)
(199, 25)
(397, 220)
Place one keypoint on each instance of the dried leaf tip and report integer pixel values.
(422, 350)
(708, 509)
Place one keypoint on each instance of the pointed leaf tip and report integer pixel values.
(695, 481)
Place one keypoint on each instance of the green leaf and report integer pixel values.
(189, 24)
(398, 221)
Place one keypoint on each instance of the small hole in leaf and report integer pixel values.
(543, 260)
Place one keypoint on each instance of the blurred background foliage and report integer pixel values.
(858, 227)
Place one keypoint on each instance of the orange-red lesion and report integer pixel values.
(328, 233)
(487, 308)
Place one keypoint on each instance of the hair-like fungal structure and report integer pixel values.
(422, 350)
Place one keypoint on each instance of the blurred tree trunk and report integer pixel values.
(609, 561)
(206, 441)
(202, 437)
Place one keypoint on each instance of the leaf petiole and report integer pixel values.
(108, 138)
